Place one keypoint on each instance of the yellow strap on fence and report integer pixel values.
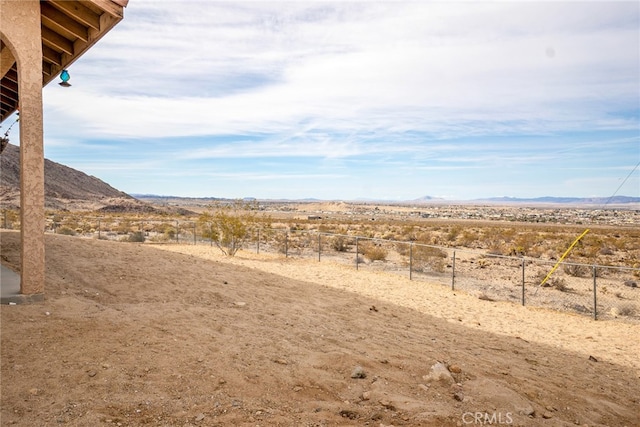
(555, 267)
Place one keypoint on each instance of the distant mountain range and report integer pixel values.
(566, 201)
(616, 200)
(547, 200)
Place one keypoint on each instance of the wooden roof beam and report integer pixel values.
(110, 7)
(10, 85)
(9, 94)
(55, 19)
(46, 68)
(79, 12)
(12, 74)
(55, 40)
(51, 55)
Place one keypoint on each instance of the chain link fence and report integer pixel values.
(599, 291)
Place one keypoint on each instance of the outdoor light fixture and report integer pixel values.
(64, 75)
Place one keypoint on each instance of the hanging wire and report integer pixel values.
(620, 186)
(6, 134)
(4, 140)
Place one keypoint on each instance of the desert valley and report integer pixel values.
(169, 331)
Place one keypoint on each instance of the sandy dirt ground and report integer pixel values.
(167, 335)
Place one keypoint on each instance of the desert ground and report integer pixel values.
(177, 335)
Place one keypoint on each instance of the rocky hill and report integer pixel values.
(65, 188)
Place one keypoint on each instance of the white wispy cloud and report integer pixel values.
(215, 68)
(349, 80)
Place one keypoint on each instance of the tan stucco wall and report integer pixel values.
(20, 30)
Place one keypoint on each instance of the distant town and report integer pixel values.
(621, 214)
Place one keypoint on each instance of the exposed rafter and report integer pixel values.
(69, 28)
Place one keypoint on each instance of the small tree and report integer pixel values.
(228, 225)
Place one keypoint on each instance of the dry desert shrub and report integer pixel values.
(160, 238)
(483, 263)
(373, 252)
(229, 225)
(426, 237)
(469, 238)
(576, 270)
(606, 251)
(281, 241)
(67, 231)
(409, 233)
(340, 244)
(136, 237)
(523, 243)
(629, 241)
(560, 284)
(426, 258)
(453, 233)
(552, 282)
(627, 309)
(10, 218)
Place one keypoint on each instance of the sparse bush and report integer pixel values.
(552, 282)
(389, 235)
(522, 244)
(517, 251)
(453, 233)
(428, 258)
(164, 231)
(373, 252)
(158, 238)
(66, 231)
(636, 272)
(10, 218)
(228, 225)
(124, 227)
(483, 263)
(409, 233)
(469, 238)
(340, 244)
(495, 249)
(298, 242)
(426, 238)
(136, 237)
(576, 270)
(281, 241)
(606, 251)
(560, 284)
(626, 309)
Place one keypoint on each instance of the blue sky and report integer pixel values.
(386, 100)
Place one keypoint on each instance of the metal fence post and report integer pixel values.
(523, 264)
(453, 272)
(319, 246)
(595, 295)
(194, 234)
(411, 261)
(258, 243)
(357, 252)
(177, 233)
